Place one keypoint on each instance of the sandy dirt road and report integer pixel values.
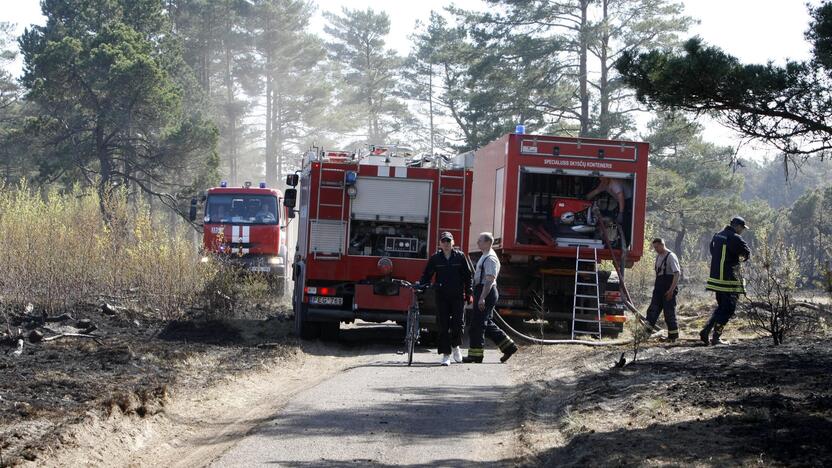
(335, 404)
(384, 413)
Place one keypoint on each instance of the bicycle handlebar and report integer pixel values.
(418, 287)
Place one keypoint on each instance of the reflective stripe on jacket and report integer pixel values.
(727, 247)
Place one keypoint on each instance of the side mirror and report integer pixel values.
(192, 210)
(290, 198)
(292, 180)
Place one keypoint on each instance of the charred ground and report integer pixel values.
(747, 404)
(126, 363)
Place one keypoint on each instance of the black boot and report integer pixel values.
(508, 352)
(703, 335)
(715, 340)
(474, 356)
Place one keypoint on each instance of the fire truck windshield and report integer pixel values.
(241, 209)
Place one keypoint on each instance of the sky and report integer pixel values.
(755, 31)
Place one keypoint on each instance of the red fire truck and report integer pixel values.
(245, 226)
(531, 192)
(365, 219)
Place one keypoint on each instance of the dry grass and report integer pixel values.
(58, 252)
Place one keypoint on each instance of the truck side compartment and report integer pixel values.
(531, 192)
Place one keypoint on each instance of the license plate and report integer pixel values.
(260, 269)
(326, 300)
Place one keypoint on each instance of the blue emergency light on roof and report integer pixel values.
(223, 184)
(350, 177)
(262, 185)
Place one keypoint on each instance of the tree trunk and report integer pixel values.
(278, 127)
(105, 176)
(430, 107)
(583, 47)
(371, 128)
(269, 155)
(604, 114)
(231, 114)
(679, 242)
(205, 56)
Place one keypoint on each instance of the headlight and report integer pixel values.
(204, 259)
(276, 260)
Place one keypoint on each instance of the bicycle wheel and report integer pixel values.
(411, 333)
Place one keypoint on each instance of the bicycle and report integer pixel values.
(412, 328)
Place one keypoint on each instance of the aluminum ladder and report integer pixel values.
(586, 298)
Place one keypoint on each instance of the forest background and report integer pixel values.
(156, 100)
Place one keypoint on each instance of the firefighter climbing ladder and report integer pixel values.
(586, 298)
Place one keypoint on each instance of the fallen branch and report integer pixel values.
(806, 305)
(59, 318)
(73, 335)
(813, 306)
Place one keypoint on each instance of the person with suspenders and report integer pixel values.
(665, 289)
(485, 298)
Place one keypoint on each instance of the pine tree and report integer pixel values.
(219, 46)
(113, 96)
(367, 72)
(563, 51)
(295, 89)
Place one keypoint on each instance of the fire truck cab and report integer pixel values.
(365, 219)
(247, 227)
(538, 195)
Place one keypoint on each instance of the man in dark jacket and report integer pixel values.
(452, 287)
(727, 249)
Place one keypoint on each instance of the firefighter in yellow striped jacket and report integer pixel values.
(727, 249)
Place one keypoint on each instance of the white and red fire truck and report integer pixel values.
(365, 219)
(531, 192)
(247, 227)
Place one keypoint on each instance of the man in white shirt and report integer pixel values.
(668, 271)
(485, 297)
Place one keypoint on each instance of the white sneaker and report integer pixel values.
(457, 354)
(446, 360)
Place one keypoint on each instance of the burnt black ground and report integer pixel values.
(747, 404)
(129, 367)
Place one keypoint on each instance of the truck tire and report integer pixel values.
(607, 333)
(559, 326)
(305, 329)
(329, 330)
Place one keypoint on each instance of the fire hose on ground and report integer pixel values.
(627, 302)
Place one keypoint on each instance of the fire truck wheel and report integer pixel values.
(610, 332)
(305, 329)
(559, 326)
(330, 330)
